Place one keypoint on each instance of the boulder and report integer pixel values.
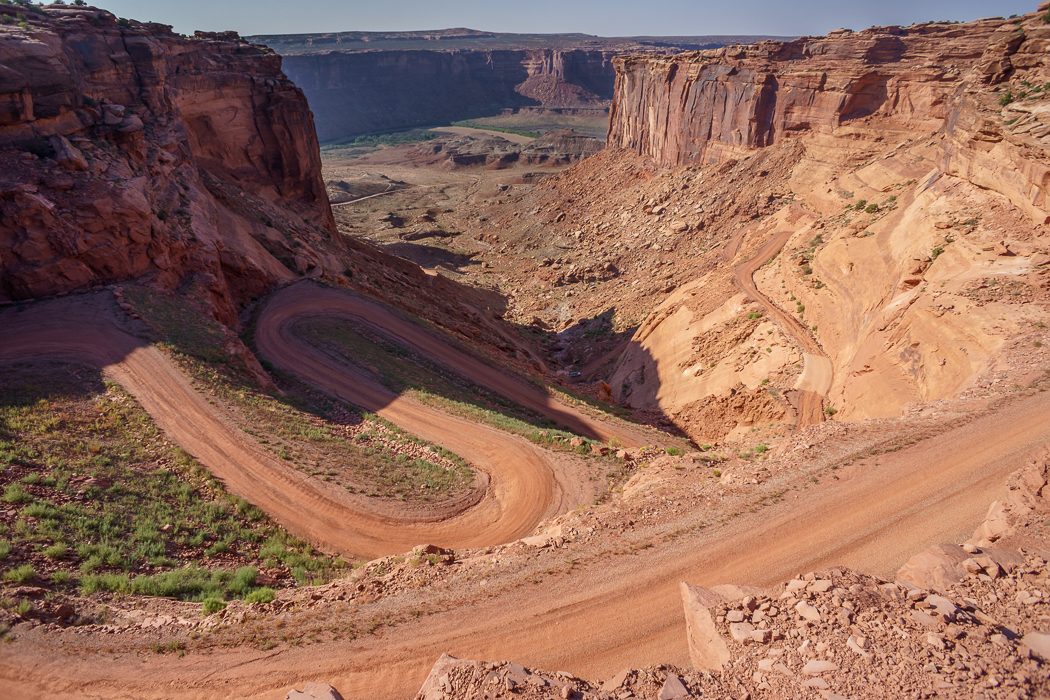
(807, 611)
(708, 651)
(673, 689)
(819, 666)
(1038, 643)
(67, 155)
(934, 569)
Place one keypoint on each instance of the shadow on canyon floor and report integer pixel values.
(431, 256)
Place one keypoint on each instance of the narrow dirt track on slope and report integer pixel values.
(522, 484)
(817, 371)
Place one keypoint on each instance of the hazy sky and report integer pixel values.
(604, 17)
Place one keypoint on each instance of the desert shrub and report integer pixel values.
(20, 574)
(213, 605)
(260, 595)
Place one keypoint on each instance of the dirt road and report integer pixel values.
(628, 612)
(816, 377)
(608, 614)
(278, 343)
(519, 481)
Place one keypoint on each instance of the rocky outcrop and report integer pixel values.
(835, 633)
(360, 92)
(988, 551)
(707, 105)
(367, 82)
(129, 151)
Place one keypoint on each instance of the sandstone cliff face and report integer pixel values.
(906, 171)
(711, 104)
(861, 217)
(354, 93)
(130, 151)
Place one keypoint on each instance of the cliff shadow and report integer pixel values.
(428, 256)
(587, 349)
(866, 96)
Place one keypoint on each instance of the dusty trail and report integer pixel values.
(629, 613)
(522, 485)
(278, 343)
(816, 377)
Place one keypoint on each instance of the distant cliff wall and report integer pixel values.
(355, 93)
(702, 105)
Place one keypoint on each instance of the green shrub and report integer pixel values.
(1006, 98)
(243, 580)
(56, 551)
(674, 451)
(5, 549)
(761, 448)
(872, 208)
(260, 595)
(831, 410)
(213, 605)
(16, 493)
(61, 577)
(20, 574)
(109, 583)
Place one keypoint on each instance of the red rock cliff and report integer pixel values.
(129, 151)
(706, 105)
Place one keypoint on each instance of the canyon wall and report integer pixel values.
(362, 92)
(707, 105)
(861, 217)
(129, 151)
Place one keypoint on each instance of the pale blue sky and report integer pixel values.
(603, 17)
